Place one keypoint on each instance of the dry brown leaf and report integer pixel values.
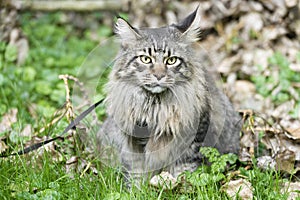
(291, 3)
(252, 22)
(295, 67)
(8, 119)
(244, 87)
(71, 164)
(266, 162)
(226, 65)
(49, 148)
(3, 146)
(26, 132)
(293, 133)
(283, 109)
(164, 180)
(238, 189)
(293, 189)
(285, 161)
(23, 50)
(272, 33)
(261, 57)
(247, 141)
(291, 145)
(285, 150)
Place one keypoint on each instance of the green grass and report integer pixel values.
(27, 178)
(36, 92)
(43, 179)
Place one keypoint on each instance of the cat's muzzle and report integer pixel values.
(154, 88)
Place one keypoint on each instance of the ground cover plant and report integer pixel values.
(32, 93)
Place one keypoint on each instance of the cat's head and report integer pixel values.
(157, 59)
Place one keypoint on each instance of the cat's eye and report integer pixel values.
(145, 59)
(172, 60)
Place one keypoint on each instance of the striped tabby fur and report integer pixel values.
(162, 104)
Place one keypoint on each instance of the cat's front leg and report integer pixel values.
(133, 163)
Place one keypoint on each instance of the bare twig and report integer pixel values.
(70, 114)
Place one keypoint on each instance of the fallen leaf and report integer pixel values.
(285, 161)
(293, 134)
(295, 67)
(282, 109)
(261, 56)
(8, 119)
(238, 189)
(164, 180)
(285, 150)
(3, 146)
(244, 87)
(247, 141)
(26, 132)
(23, 50)
(266, 162)
(71, 165)
(290, 145)
(227, 64)
(252, 21)
(272, 32)
(291, 3)
(293, 189)
(72, 160)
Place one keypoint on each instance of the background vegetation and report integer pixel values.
(257, 70)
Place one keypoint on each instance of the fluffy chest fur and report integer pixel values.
(162, 105)
(165, 114)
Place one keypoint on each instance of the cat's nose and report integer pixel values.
(159, 71)
(159, 76)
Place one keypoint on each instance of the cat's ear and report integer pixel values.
(190, 26)
(125, 31)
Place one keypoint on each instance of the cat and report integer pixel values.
(162, 103)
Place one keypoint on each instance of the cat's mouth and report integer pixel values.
(154, 88)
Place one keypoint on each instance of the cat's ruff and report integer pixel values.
(159, 84)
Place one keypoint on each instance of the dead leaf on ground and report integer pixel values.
(164, 180)
(247, 146)
(8, 119)
(285, 161)
(27, 131)
(285, 150)
(266, 162)
(238, 189)
(50, 148)
(293, 189)
(3, 146)
(295, 67)
(71, 164)
(293, 134)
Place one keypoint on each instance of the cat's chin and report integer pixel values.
(155, 90)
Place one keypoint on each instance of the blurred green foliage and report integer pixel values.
(34, 87)
(278, 84)
(54, 49)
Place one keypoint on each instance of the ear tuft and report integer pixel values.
(125, 31)
(190, 26)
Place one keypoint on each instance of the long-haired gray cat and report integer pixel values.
(162, 104)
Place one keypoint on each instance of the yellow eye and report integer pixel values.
(145, 59)
(172, 60)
